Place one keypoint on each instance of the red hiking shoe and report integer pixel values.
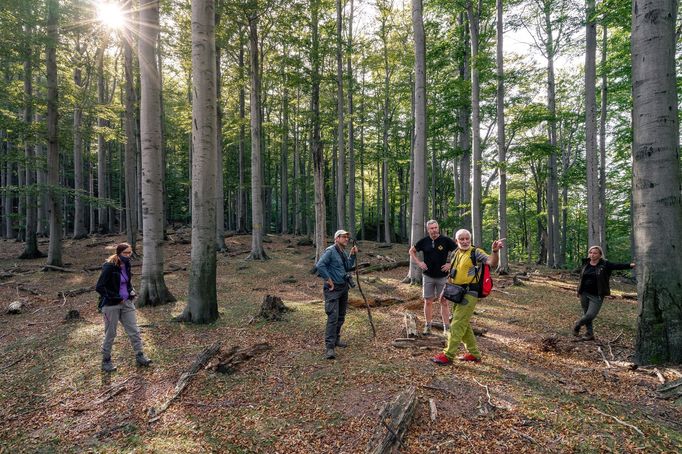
(469, 357)
(441, 359)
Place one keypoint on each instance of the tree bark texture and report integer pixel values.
(503, 266)
(476, 213)
(202, 305)
(54, 254)
(316, 144)
(594, 236)
(153, 290)
(657, 201)
(257, 216)
(419, 159)
(130, 152)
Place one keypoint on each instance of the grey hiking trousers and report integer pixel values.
(125, 313)
(591, 305)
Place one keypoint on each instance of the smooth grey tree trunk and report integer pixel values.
(130, 152)
(54, 254)
(594, 236)
(340, 137)
(79, 230)
(102, 196)
(202, 305)
(503, 265)
(351, 130)
(419, 182)
(284, 156)
(656, 182)
(464, 142)
(476, 155)
(153, 290)
(220, 183)
(316, 144)
(241, 193)
(602, 141)
(552, 191)
(257, 216)
(31, 239)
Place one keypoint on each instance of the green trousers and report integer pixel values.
(460, 328)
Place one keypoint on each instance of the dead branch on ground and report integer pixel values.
(205, 355)
(619, 421)
(395, 417)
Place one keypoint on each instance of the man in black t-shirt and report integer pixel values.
(435, 266)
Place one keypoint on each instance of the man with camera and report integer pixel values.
(334, 268)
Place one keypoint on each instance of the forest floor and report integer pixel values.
(536, 390)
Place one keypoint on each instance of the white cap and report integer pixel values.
(339, 233)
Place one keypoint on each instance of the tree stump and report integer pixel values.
(72, 315)
(410, 325)
(394, 420)
(272, 308)
(229, 361)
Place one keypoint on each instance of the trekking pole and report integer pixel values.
(357, 279)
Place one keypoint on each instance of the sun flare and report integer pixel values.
(111, 15)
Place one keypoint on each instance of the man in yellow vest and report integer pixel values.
(465, 274)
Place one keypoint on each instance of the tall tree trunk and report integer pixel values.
(102, 196)
(476, 213)
(202, 305)
(552, 234)
(503, 265)
(351, 130)
(593, 223)
(418, 186)
(130, 158)
(54, 254)
(298, 187)
(257, 217)
(79, 230)
(602, 142)
(284, 157)
(31, 245)
(153, 290)
(656, 189)
(341, 163)
(220, 183)
(316, 143)
(241, 193)
(464, 128)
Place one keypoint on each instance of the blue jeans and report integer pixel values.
(335, 306)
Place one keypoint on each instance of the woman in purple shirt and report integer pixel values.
(116, 304)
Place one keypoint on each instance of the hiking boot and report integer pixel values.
(340, 343)
(469, 357)
(330, 354)
(427, 330)
(107, 365)
(576, 331)
(441, 359)
(588, 337)
(142, 360)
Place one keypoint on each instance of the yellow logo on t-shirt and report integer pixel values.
(440, 247)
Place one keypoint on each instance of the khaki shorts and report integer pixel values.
(432, 286)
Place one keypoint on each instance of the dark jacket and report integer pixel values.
(109, 283)
(604, 269)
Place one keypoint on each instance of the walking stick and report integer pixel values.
(357, 279)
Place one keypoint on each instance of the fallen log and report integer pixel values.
(410, 324)
(205, 356)
(384, 266)
(228, 362)
(76, 291)
(58, 268)
(394, 420)
(670, 390)
(420, 342)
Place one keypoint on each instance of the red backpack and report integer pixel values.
(484, 282)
